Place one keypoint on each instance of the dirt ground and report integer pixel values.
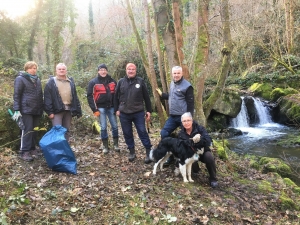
(110, 190)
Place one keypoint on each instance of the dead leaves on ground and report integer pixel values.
(110, 190)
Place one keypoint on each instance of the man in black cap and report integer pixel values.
(100, 96)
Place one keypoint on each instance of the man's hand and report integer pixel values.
(196, 138)
(97, 113)
(159, 91)
(16, 115)
(148, 115)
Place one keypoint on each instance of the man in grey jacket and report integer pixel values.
(181, 100)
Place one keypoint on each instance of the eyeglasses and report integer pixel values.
(186, 121)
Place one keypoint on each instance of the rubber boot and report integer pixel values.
(131, 156)
(116, 144)
(147, 159)
(105, 146)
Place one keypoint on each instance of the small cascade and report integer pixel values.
(242, 119)
(262, 112)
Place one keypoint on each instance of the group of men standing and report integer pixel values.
(107, 98)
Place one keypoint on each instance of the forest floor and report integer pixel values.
(110, 190)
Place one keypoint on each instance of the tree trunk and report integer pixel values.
(58, 27)
(226, 55)
(34, 30)
(165, 29)
(160, 60)
(201, 59)
(149, 65)
(179, 38)
(289, 23)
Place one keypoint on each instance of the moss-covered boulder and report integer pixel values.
(262, 90)
(229, 103)
(287, 203)
(279, 92)
(289, 109)
(222, 147)
(275, 165)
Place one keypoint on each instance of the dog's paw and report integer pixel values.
(185, 181)
(191, 181)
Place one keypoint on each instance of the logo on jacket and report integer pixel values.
(137, 85)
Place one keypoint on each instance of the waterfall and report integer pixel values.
(262, 112)
(242, 119)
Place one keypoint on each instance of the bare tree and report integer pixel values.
(226, 55)
(148, 64)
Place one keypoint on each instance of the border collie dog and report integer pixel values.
(185, 154)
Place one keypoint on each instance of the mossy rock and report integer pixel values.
(262, 90)
(287, 203)
(296, 190)
(279, 92)
(265, 187)
(290, 108)
(222, 148)
(275, 165)
(254, 164)
(289, 182)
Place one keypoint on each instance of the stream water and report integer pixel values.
(260, 139)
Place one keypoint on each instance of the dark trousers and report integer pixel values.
(28, 137)
(171, 124)
(138, 119)
(209, 161)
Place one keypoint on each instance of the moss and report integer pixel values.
(296, 190)
(276, 94)
(287, 203)
(289, 182)
(222, 148)
(261, 90)
(275, 165)
(279, 92)
(265, 187)
(254, 164)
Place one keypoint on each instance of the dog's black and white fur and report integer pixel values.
(185, 154)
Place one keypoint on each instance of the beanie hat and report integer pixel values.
(102, 66)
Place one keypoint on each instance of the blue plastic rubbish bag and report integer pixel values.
(57, 151)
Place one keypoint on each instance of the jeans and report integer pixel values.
(171, 124)
(109, 112)
(139, 121)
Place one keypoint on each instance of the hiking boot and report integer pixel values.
(131, 156)
(214, 184)
(36, 153)
(147, 159)
(105, 146)
(116, 144)
(26, 156)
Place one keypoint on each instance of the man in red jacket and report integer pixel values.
(100, 96)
